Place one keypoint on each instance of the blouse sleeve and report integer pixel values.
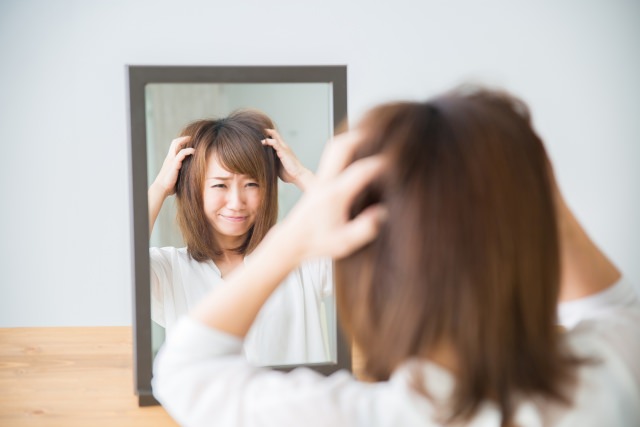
(611, 317)
(201, 379)
(321, 274)
(160, 273)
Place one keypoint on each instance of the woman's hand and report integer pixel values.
(292, 170)
(320, 221)
(165, 183)
(168, 175)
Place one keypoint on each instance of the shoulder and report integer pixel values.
(316, 273)
(611, 374)
(607, 391)
(618, 300)
(316, 266)
(170, 255)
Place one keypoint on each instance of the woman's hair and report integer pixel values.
(236, 142)
(469, 255)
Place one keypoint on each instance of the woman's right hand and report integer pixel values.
(166, 180)
(165, 183)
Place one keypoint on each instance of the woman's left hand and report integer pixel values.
(292, 171)
(319, 224)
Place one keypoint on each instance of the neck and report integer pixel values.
(444, 355)
(585, 268)
(228, 261)
(229, 243)
(229, 256)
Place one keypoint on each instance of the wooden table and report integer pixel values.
(71, 377)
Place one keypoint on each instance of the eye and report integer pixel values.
(218, 186)
(253, 184)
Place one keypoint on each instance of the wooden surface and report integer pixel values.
(71, 377)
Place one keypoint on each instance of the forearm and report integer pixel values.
(156, 197)
(304, 179)
(232, 308)
(585, 269)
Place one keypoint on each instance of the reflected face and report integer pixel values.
(231, 202)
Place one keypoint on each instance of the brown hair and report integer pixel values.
(236, 141)
(469, 256)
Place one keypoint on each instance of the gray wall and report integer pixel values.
(64, 225)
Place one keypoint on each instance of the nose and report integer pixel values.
(235, 197)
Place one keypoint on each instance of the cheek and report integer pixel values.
(211, 201)
(254, 200)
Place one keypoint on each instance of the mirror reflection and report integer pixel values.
(214, 153)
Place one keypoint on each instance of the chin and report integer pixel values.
(233, 231)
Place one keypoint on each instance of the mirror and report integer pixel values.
(169, 108)
(305, 103)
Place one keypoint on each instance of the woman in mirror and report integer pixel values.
(224, 174)
(455, 249)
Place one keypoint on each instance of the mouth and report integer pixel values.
(234, 218)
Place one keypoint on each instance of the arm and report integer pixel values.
(292, 170)
(585, 269)
(156, 196)
(165, 183)
(200, 375)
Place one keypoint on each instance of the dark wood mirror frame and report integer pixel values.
(138, 78)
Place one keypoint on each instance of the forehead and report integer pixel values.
(215, 168)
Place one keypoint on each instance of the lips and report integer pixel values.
(234, 218)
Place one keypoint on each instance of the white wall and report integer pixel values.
(64, 225)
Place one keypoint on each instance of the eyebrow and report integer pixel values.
(227, 178)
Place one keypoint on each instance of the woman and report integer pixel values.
(453, 243)
(224, 174)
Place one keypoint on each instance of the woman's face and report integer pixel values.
(231, 202)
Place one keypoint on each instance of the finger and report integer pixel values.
(281, 149)
(337, 154)
(272, 133)
(273, 137)
(361, 230)
(184, 153)
(178, 143)
(269, 141)
(273, 144)
(359, 174)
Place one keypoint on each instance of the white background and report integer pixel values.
(65, 231)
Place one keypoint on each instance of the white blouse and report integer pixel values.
(202, 379)
(615, 313)
(291, 328)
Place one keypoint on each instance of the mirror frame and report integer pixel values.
(138, 78)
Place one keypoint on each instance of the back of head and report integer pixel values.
(236, 141)
(469, 255)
